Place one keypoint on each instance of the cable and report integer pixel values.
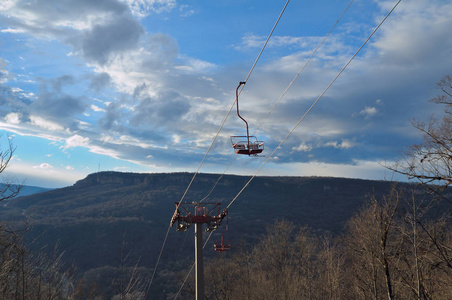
(315, 102)
(300, 120)
(233, 104)
(158, 259)
(277, 102)
(185, 280)
(305, 64)
(216, 136)
(285, 91)
(191, 269)
(268, 38)
(219, 178)
(287, 88)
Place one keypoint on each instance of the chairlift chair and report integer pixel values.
(248, 145)
(223, 245)
(245, 144)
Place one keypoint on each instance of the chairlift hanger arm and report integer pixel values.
(245, 147)
(238, 113)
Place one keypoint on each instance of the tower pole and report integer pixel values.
(209, 214)
(199, 261)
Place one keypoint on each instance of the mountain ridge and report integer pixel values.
(91, 219)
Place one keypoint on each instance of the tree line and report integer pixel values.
(394, 248)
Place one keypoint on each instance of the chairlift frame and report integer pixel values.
(223, 245)
(240, 145)
(202, 213)
(248, 145)
(205, 213)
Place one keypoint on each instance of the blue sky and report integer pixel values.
(144, 85)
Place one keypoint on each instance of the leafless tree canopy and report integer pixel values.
(9, 188)
(390, 250)
(23, 274)
(430, 161)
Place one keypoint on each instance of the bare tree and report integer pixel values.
(370, 241)
(430, 161)
(23, 274)
(330, 264)
(228, 278)
(129, 283)
(398, 249)
(281, 266)
(8, 189)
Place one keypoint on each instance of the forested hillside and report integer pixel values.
(110, 215)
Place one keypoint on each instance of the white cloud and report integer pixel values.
(411, 36)
(368, 111)
(176, 138)
(159, 65)
(255, 41)
(45, 124)
(105, 151)
(364, 169)
(302, 147)
(345, 144)
(142, 8)
(12, 118)
(43, 175)
(186, 11)
(76, 141)
(195, 65)
(119, 169)
(128, 139)
(12, 30)
(6, 4)
(16, 90)
(96, 108)
(43, 166)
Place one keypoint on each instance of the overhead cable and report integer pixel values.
(305, 64)
(191, 269)
(301, 119)
(285, 91)
(315, 102)
(233, 104)
(215, 138)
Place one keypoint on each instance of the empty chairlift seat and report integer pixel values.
(248, 145)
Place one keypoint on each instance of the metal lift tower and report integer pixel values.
(199, 214)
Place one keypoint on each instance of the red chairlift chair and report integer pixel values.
(223, 245)
(248, 145)
(245, 144)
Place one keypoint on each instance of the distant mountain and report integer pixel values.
(30, 190)
(27, 190)
(92, 218)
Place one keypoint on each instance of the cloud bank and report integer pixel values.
(101, 76)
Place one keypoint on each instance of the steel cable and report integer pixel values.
(213, 141)
(315, 102)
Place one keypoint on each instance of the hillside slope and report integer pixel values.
(91, 219)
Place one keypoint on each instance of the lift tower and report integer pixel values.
(198, 214)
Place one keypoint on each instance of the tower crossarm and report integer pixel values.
(204, 213)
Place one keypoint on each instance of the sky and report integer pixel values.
(144, 85)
